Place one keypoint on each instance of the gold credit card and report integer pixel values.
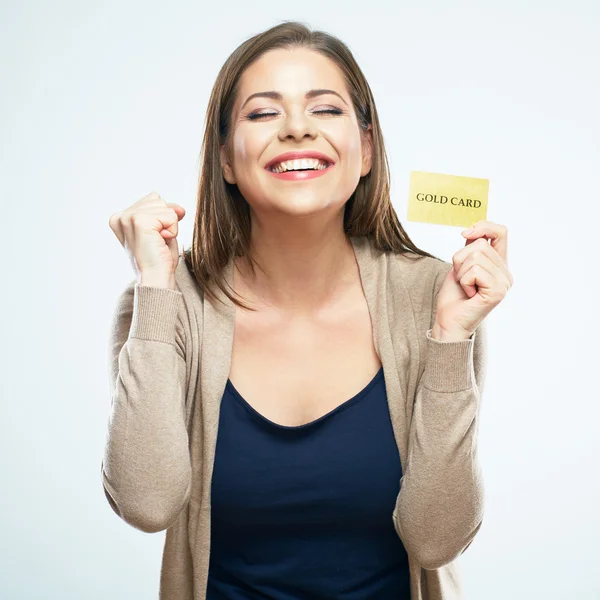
(447, 199)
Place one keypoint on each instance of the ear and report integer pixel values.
(367, 150)
(226, 166)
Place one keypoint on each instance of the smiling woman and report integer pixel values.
(289, 89)
(322, 443)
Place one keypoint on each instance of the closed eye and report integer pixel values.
(330, 111)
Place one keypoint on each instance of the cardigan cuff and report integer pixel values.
(449, 365)
(155, 313)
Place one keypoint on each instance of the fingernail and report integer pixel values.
(468, 231)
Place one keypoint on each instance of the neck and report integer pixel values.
(303, 270)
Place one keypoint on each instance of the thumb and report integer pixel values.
(174, 248)
(178, 209)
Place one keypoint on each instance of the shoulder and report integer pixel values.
(186, 283)
(406, 278)
(421, 275)
(192, 309)
(414, 282)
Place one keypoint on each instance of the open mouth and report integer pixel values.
(299, 165)
(319, 168)
(302, 174)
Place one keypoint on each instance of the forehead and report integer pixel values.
(291, 72)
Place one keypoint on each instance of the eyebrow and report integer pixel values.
(277, 96)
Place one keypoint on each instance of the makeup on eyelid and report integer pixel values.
(255, 116)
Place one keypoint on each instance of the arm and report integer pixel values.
(146, 468)
(440, 505)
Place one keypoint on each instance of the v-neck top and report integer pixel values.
(305, 511)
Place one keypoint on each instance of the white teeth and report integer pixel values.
(303, 163)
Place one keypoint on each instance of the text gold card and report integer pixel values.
(447, 199)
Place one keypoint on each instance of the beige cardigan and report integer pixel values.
(169, 361)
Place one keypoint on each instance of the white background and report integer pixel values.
(104, 102)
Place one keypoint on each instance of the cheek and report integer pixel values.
(346, 138)
(248, 151)
(353, 150)
(240, 150)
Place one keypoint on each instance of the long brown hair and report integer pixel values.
(222, 223)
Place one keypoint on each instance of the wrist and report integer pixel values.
(160, 281)
(446, 335)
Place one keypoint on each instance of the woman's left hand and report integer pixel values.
(478, 282)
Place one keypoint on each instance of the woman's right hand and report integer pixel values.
(148, 232)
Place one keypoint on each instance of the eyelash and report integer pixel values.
(330, 111)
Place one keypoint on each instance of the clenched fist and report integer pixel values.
(148, 232)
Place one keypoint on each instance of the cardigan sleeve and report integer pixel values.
(440, 506)
(146, 467)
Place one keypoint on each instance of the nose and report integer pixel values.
(298, 126)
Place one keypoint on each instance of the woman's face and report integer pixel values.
(293, 122)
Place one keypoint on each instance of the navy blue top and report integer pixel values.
(305, 512)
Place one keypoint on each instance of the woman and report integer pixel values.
(317, 440)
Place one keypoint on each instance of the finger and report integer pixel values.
(115, 224)
(174, 248)
(475, 280)
(491, 286)
(159, 212)
(499, 271)
(159, 221)
(171, 229)
(495, 232)
(166, 218)
(178, 209)
(474, 249)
